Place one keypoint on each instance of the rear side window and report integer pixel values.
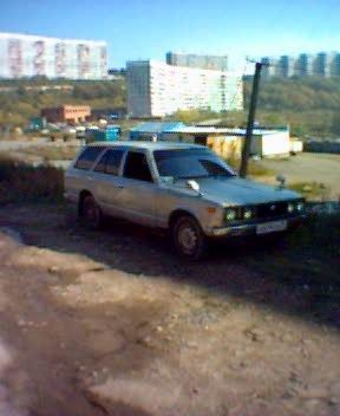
(87, 158)
(110, 162)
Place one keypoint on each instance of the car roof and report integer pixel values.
(147, 145)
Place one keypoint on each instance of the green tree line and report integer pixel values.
(310, 105)
(21, 100)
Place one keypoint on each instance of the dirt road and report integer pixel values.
(111, 323)
(310, 167)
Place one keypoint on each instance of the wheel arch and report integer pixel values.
(84, 193)
(179, 213)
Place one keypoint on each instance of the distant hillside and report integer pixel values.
(308, 93)
(310, 105)
(20, 100)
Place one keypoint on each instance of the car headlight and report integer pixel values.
(247, 214)
(300, 206)
(230, 214)
(290, 208)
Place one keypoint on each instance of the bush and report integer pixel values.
(311, 190)
(20, 182)
(255, 168)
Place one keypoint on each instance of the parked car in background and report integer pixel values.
(183, 188)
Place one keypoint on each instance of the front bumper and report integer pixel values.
(256, 228)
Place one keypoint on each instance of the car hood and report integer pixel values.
(238, 191)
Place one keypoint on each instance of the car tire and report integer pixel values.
(91, 214)
(188, 238)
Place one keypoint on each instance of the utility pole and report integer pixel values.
(251, 118)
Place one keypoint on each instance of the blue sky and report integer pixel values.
(147, 29)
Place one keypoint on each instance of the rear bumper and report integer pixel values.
(257, 228)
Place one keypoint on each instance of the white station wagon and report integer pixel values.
(183, 188)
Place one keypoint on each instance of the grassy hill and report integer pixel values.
(20, 100)
(309, 105)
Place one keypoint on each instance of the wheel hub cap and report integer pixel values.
(187, 238)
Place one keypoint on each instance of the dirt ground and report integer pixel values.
(310, 167)
(112, 323)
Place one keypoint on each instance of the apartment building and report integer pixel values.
(156, 89)
(322, 64)
(304, 65)
(215, 62)
(37, 56)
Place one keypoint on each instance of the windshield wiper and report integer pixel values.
(222, 175)
(193, 177)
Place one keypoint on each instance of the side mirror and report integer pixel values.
(281, 178)
(192, 184)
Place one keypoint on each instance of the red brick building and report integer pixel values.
(67, 114)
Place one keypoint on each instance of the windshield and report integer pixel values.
(191, 163)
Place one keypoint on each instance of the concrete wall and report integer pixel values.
(322, 147)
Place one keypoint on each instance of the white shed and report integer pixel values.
(271, 143)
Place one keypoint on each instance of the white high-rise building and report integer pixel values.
(216, 62)
(156, 89)
(26, 56)
(322, 64)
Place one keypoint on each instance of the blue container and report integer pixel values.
(113, 132)
(37, 123)
(110, 134)
(98, 135)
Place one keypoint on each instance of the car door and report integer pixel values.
(139, 191)
(108, 181)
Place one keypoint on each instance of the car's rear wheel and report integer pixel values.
(188, 238)
(91, 214)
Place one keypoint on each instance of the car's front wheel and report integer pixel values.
(91, 214)
(188, 238)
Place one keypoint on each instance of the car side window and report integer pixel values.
(110, 162)
(87, 158)
(137, 167)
